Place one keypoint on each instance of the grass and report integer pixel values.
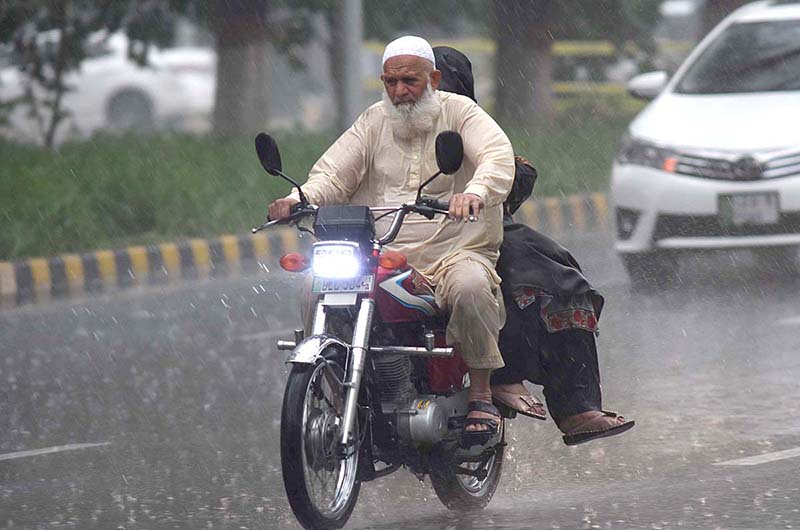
(113, 191)
(574, 156)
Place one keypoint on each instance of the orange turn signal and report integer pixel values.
(670, 164)
(392, 260)
(294, 262)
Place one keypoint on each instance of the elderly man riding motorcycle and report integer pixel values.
(380, 161)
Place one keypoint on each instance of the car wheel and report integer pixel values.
(651, 269)
(130, 111)
(780, 260)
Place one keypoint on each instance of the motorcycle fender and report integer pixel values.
(310, 350)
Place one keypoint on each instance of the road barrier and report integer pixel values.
(37, 280)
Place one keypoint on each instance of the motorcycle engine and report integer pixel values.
(394, 373)
(420, 420)
(424, 422)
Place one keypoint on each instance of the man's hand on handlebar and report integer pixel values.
(465, 207)
(281, 208)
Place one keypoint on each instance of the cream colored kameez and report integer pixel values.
(369, 165)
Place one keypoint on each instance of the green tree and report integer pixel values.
(525, 31)
(50, 39)
(715, 10)
(247, 33)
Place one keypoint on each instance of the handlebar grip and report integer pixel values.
(293, 209)
(436, 204)
(440, 205)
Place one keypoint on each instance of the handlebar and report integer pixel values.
(427, 207)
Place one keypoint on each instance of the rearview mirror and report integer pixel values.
(449, 152)
(270, 159)
(268, 154)
(647, 86)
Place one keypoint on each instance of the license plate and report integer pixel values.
(749, 208)
(361, 284)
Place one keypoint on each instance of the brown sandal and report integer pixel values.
(585, 433)
(510, 404)
(475, 437)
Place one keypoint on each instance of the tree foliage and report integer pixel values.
(523, 29)
(715, 10)
(50, 39)
(387, 20)
(526, 29)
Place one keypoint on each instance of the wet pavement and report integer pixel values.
(178, 393)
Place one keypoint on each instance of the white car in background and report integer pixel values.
(713, 162)
(175, 90)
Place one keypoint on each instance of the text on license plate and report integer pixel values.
(361, 284)
(749, 208)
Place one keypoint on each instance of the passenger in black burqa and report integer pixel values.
(552, 310)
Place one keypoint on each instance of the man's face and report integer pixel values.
(405, 78)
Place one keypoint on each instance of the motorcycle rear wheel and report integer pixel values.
(461, 492)
(322, 489)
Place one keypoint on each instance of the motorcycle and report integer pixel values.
(373, 387)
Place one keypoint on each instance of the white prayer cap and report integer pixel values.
(409, 45)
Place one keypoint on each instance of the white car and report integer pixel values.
(713, 162)
(174, 90)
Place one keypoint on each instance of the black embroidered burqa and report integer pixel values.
(552, 309)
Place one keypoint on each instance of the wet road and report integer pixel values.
(178, 392)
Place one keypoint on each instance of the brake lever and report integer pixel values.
(267, 224)
(296, 210)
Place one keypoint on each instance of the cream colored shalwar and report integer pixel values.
(368, 165)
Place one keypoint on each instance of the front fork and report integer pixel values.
(355, 370)
(355, 365)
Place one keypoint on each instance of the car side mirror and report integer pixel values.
(647, 86)
(268, 154)
(449, 152)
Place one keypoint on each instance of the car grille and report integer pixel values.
(744, 168)
(712, 226)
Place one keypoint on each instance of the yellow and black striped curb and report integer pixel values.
(42, 279)
(560, 215)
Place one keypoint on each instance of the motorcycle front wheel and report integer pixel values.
(463, 492)
(321, 487)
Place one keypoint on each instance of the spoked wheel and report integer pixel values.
(468, 492)
(321, 487)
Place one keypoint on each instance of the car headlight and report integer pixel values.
(639, 152)
(336, 260)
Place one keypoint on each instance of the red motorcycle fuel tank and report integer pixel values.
(403, 295)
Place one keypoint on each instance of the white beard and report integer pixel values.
(412, 119)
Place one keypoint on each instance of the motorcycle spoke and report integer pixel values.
(329, 480)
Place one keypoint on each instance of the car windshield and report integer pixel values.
(748, 57)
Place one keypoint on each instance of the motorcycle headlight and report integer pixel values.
(336, 260)
(639, 152)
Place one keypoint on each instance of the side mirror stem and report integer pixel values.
(419, 190)
(303, 199)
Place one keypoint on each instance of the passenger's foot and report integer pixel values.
(591, 425)
(481, 424)
(514, 398)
